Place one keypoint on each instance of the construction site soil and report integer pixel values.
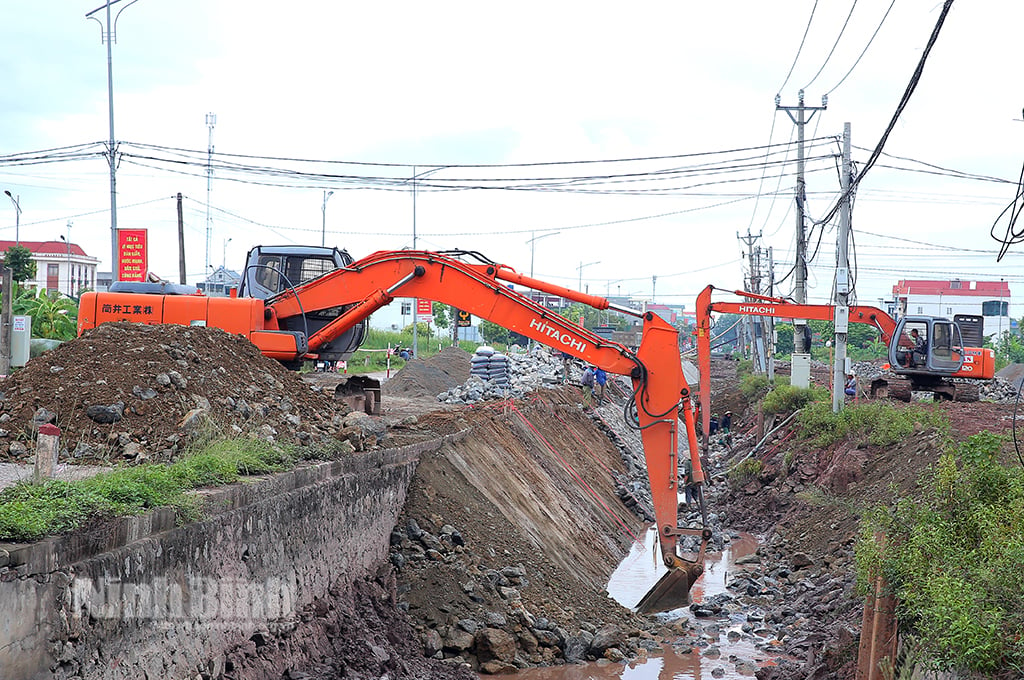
(510, 531)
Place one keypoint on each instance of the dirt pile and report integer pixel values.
(127, 392)
(432, 376)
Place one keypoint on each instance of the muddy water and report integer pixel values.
(634, 576)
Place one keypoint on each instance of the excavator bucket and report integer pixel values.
(672, 590)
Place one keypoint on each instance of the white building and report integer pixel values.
(60, 266)
(990, 299)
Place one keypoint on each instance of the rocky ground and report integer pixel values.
(509, 534)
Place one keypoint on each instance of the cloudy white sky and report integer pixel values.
(535, 92)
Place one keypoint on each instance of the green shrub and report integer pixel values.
(786, 398)
(881, 423)
(744, 367)
(745, 471)
(754, 386)
(952, 559)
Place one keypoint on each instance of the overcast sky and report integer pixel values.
(541, 92)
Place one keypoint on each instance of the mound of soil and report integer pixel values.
(432, 376)
(131, 392)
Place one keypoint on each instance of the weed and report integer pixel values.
(745, 471)
(879, 422)
(787, 399)
(754, 386)
(952, 558)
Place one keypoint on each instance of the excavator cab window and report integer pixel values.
(946, 346)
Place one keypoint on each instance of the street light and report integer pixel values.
(323, 209)
(533, 244)
(415, 301)
(67, 242)
(580, 268)
(224, 259)
(108, 35)
(17, 216)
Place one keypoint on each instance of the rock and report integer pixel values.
(575, 649)
(458, 641)
(800, 560)
(144, 393)
(43, 417)
(194, 420)
(495, 644)
(105, 415)
(606, 637)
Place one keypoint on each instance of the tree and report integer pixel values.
(441, 316)
(19, 260)
(492, 333)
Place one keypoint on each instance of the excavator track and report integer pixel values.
(966, 392)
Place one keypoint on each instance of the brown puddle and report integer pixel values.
(631, 580)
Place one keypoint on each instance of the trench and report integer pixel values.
(720, 646)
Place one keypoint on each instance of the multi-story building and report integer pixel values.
(60, 266)
(990, 299)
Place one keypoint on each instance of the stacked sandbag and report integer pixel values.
(490, 366)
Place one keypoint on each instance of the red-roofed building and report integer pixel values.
(60, 266)
(990, 299)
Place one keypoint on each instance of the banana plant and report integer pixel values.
(54, 316)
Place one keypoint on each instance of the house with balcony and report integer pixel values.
(60, 266)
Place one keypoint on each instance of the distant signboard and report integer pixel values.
(424, 310)
(132, 255)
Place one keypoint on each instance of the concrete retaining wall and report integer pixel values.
(144, 598)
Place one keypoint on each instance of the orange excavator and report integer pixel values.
(276, 325)
(925, 352)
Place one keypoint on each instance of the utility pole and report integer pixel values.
(181, 242)
(842, 309)
(801, 377)
(800, 292)
(756, 327)
(6, 318)
(211, 122)
(770, 330)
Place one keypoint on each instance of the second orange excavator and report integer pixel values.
(926, 353)
(344, 297)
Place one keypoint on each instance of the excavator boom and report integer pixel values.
(660, 400)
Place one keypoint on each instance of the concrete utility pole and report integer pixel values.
(842, 308)
(800, 275)
(770, 326)
(181, 242)
(6, 317)
(754, 324)
(211, 122)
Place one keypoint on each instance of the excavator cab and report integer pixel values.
(271, 270)
(926, 345)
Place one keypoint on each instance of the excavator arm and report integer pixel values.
(660, 399)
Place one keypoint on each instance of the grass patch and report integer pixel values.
(787, 398)
(753, 386)
(952, 559)
(745, 471)
(879, 422)
(29, 512)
